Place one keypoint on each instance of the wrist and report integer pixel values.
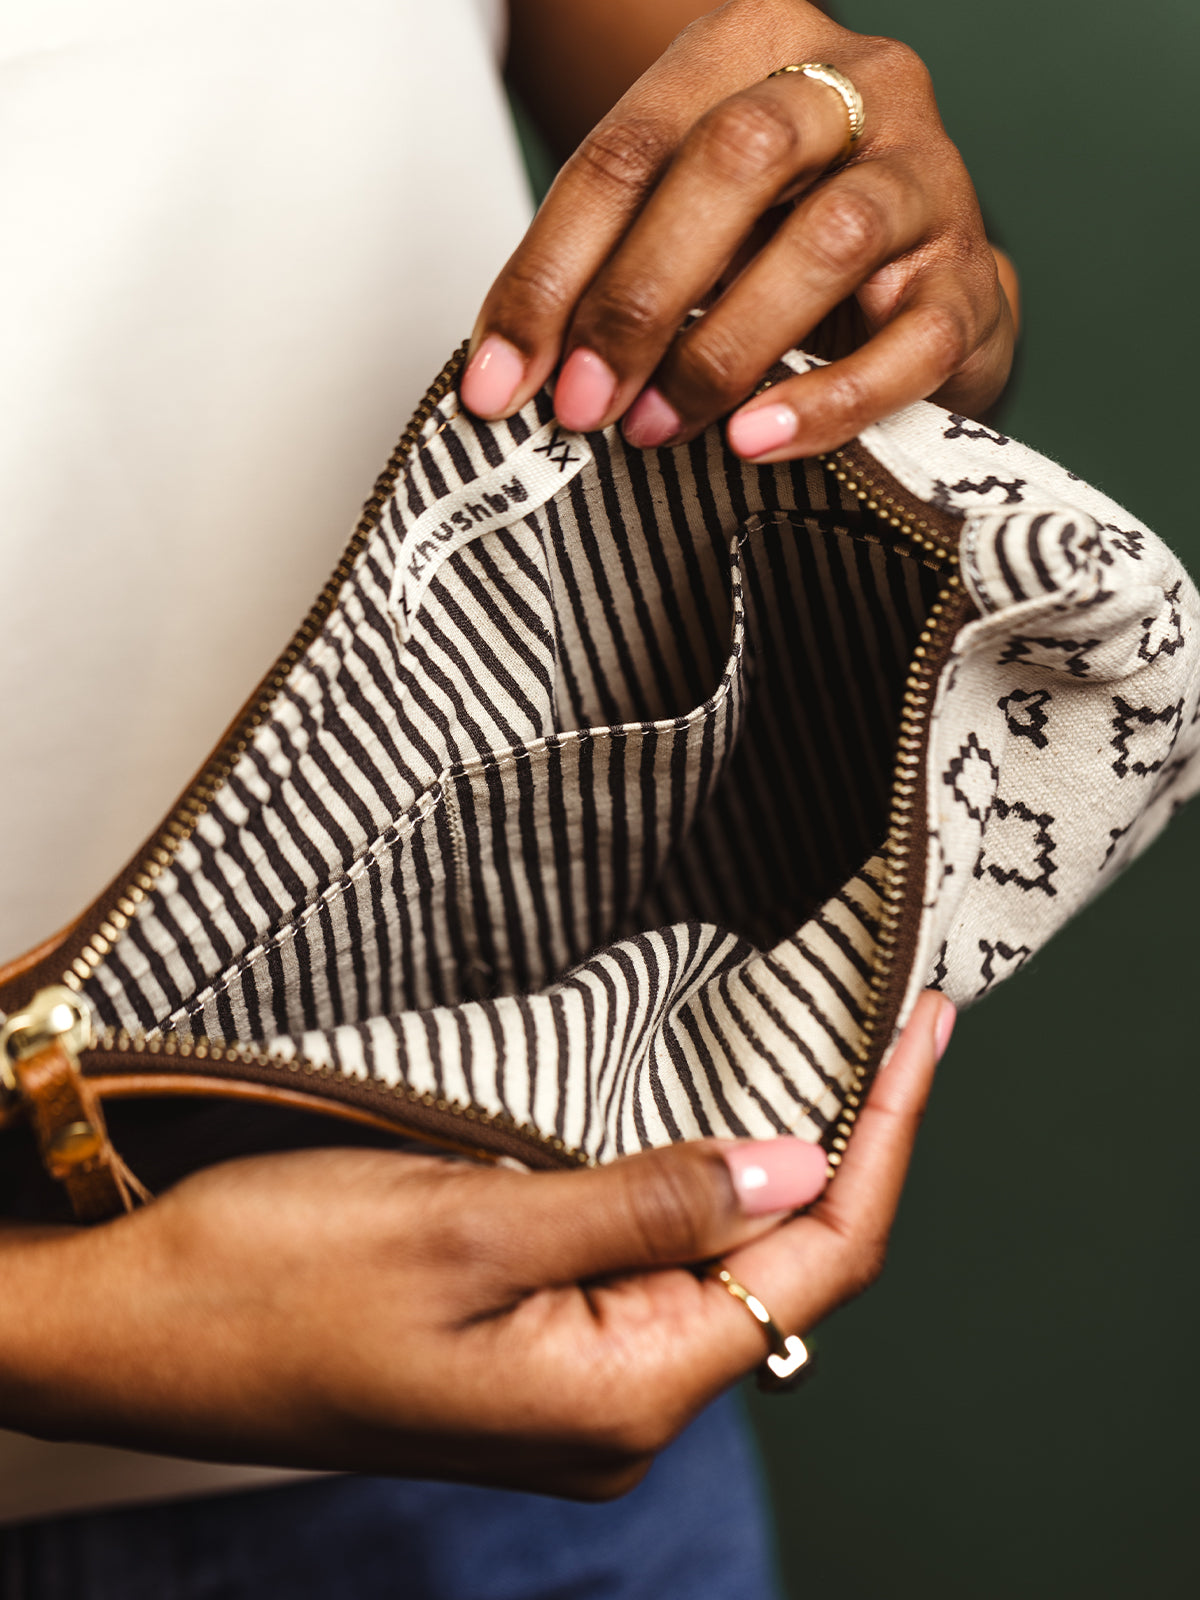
(37, 1324)
(83, 1332)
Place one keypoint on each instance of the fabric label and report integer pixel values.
(525, 480)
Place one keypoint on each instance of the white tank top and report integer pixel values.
(237, 239)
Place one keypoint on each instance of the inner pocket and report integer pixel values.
(557, 845)
(832, 618)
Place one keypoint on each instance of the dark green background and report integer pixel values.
(1013, 1410)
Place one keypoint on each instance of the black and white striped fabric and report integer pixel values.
(571, 813)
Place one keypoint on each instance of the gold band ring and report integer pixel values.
(790, 1361)
(822, 72)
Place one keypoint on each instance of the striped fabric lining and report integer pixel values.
(678, 1033)
(529, 857)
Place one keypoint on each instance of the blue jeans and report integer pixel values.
(694, 1527)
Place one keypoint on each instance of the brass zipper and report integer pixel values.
(906, 843)
(919, 530)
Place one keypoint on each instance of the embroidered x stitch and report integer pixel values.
(558, 450)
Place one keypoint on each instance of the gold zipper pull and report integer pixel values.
(40, 1046)
(54, 1016)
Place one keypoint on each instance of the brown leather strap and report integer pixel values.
(68, 1121)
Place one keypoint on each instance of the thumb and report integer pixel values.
(662, 1208)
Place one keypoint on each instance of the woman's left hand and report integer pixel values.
(711, 182)
(370, 1311)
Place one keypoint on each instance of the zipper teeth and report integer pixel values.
(180, 826)
(119, 1041)
(907, 798)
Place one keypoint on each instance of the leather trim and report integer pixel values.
(468, 1130)
(68, 1123)
(153, 1085)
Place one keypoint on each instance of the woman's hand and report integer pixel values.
(401, 1314)
(711, 182)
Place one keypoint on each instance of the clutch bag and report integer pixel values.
(608, 798)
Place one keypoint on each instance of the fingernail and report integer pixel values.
(775, 1174)
(651, 420)
(947, 1017)
(584, 391)
(493, 376)
(755, 433)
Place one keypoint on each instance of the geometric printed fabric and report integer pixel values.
(1066, 730)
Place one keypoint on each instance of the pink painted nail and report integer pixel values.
(775, 1174)
(584, 391)
(947, 1017)
(493, 376)
(651, 420)
(756, 433)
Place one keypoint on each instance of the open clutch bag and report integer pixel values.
(607, 798)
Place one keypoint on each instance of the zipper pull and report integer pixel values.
(55, 1015)
(40, 1046)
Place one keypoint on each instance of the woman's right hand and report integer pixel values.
(718, 179)
(379, 1312)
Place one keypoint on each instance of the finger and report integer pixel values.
(675, 1339)
(664, 1207)
(808, 1267)
(866, 1192)
(741, 158)
(832, 242)
(518, 335)
(928, 341)
(1010, 283)
(980, 381)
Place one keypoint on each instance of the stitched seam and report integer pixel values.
(420, 813)
(468, 921)
(969, 562)
(811, 521)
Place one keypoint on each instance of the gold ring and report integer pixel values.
(790, 1361)
(822, 72)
